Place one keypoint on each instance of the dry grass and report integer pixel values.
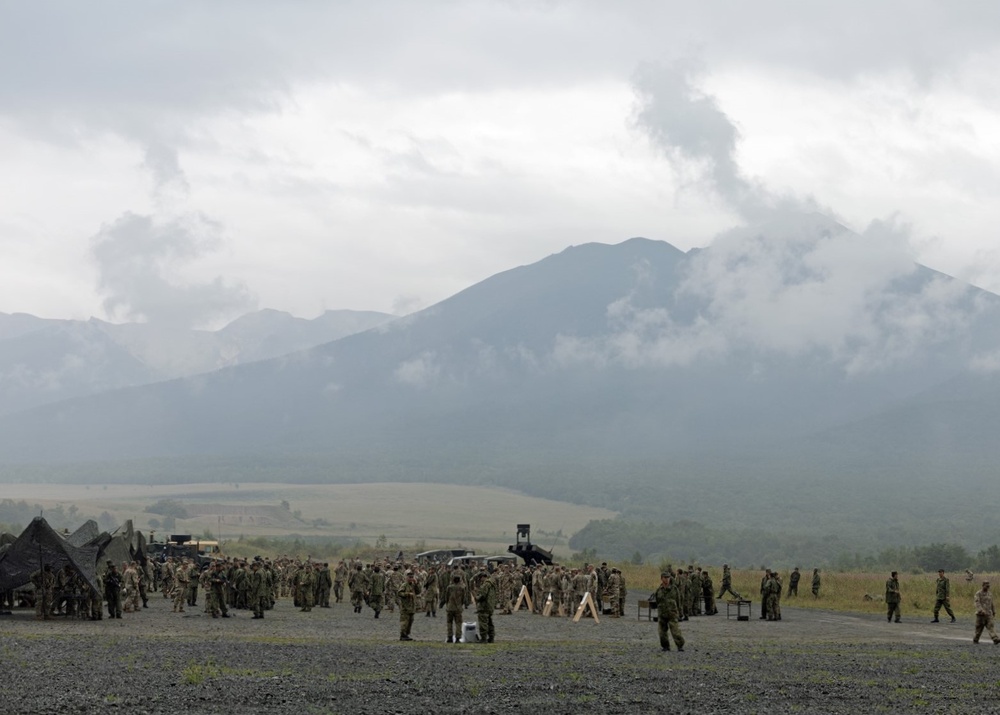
(838, 591)
(436, 515)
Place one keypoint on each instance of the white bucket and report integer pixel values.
(470, 632)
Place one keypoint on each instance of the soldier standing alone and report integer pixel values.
(984, 614)
(892, 597)
(943, 597)
(668, 613)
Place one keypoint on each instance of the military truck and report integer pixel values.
(200, 551)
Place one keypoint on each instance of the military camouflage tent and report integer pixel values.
(40, 544)
(85, 533)
(122, 545)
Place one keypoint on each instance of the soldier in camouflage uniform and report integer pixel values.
(454, 600)
(668, 602)
(44, 582)
(985, 611)
(407, 595)
(682, 582)
(180, 579)
(694, 591)
(943, 596)
(614, 592)
(622, 592)
(324, 584)
(358, 585)
(486, 603)
(113, 591)
(431, 592)
(892, 597)
(727, 583)
(257, 592)
(793, 582)
(219, 582)
(708, 593)
(130, 582)
(376, 590)
(205, 581)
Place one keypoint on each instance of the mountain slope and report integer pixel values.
(635, 351)
(44, 361)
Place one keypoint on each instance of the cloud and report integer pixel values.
(140, 260)
(163, 162)
(795, 288)
(688, 126)
(419, 372)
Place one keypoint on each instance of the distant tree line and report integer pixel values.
(950, 557)
(693, 542)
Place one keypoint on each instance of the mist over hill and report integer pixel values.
(793, 377)
(44, 360)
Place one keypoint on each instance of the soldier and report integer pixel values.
(192, 588)
(219, 582)
(622, 593)
(94, 600)
(146, 581)
(538, 588)
(393, 580)
(113, 591)
(182, 578)
(307, 587)
(772, 588)
(892, 597)
(727, 583)
(65, 584)
(793, 582)
(339, 576)
(668, 602)
(431, 592)
(407, 598)
(985, 612)
(581, 583)
(486, 603)
(167, 580)
(681, 582)
(376, 590)
(943, 596)
(551, 586)
(764, 594)
(708, 593)
(205, 581)
(44, 582)
(602, 572)
(323, 586)
(258, 591)
(694, 592)
(815, 583)
(614, 591)
(454, 599)
(131, 588)
(358, 585)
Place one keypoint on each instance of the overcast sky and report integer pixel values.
(189, 161)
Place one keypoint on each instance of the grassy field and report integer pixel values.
(839, 591)
(411, 515)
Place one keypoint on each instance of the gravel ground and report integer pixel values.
(336, 661)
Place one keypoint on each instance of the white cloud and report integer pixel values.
(419, 372)
(361, 153)
(139, 258)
